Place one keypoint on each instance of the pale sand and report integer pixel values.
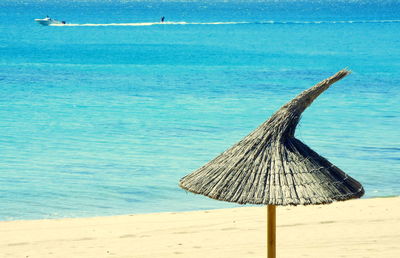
(359, 228)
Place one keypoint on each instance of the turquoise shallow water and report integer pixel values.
(105, 120)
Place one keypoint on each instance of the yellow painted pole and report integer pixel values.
(271, 231)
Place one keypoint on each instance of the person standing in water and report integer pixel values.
(162, 19)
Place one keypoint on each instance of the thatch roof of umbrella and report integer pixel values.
(270, 166)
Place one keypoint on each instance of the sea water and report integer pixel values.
(104, 115)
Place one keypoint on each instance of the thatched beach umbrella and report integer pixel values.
(271, 167)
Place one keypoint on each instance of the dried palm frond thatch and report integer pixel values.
(270, 166)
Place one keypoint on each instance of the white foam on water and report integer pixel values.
(219, 23)
(103, 24)
(144, 24)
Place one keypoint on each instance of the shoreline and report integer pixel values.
(184, 211)
(356, 228)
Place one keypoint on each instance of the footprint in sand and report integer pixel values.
(18, 244)
(127, 236)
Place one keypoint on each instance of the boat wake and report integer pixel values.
(146, 23)
(221, 23)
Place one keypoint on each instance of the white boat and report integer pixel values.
(48, 21)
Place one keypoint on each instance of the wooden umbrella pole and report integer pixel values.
(271, 231)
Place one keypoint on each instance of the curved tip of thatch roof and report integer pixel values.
(270, 166)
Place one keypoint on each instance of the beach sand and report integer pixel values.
(357, 228)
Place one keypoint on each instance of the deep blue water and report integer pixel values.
(105, 120)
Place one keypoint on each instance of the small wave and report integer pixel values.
(221, 23)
